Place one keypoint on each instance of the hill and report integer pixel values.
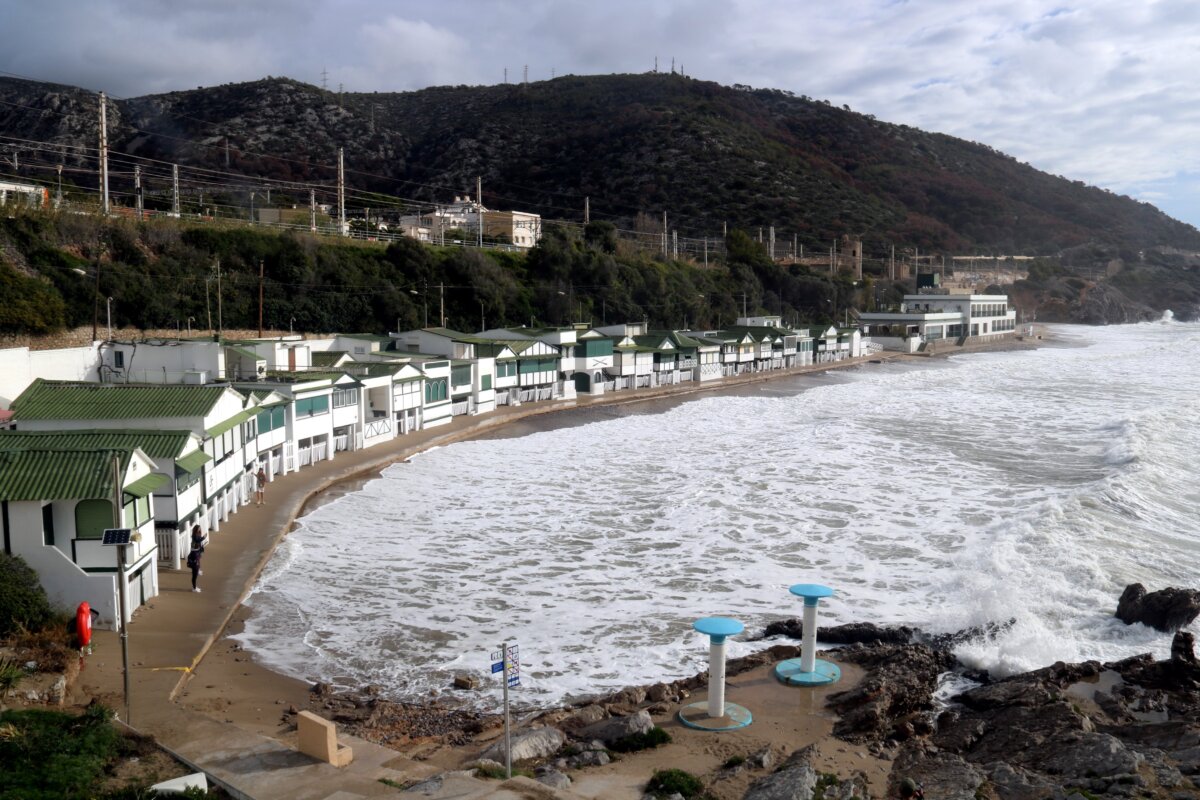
(707, 154)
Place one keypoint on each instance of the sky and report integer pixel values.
(1102, 92)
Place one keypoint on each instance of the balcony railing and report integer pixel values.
(378, 427)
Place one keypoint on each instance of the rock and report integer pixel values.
(588, 715)
(321, 689)
(534, 743)
(466, 682)
(1166, 610)
(900, 682)
(31, 666)
(794, 780)
(1015, 783)
(850, 633)
(589, 758)
(763, 759)
(1018, 691)
(610, 730)
(1090, 754)
(632, 696)
(554, 779)
(426, 787)
(943, 775)
(659, 693)
(484, 763)
(57, 693)
(1183, 648)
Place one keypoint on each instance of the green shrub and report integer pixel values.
(497, 773)
(667, 782)
(824, 781)
(654, 737)
(23, 601)
(10, 675)
(733, 761)
(49, 755)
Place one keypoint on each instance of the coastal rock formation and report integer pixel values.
(614, 728)
(1166, 610)
(850, 633)
(1130, 728)
(527, 745)
(798, 779)
(896, 691)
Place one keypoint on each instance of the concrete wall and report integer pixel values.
(20, 365)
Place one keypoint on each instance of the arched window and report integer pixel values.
(91, 518)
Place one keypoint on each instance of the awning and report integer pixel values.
(232, 422)
(193, 461)
(144, 486)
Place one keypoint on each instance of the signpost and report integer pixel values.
(507, 662)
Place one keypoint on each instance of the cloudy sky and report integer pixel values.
(1101, 91)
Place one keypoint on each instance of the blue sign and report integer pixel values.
(514, 680)
(497, 667)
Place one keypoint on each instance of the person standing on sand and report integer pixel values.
(193, 562)
(260, 487)
(197, 541)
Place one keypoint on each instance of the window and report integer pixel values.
(506, 369)
(345, 397)
(48, 525)
(460, 374)
(92, 517)
(312, 406)
(436, 390)
(119, 359)
(485, 382)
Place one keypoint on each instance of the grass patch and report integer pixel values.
(733, 761)
(652, 738)
(49, 755)
(825, 781)
(667, 782)
(497, 773)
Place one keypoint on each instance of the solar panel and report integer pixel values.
(115, 536)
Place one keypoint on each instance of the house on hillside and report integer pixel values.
(56, 502)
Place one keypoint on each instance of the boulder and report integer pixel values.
(588, 715)
(900, 682)
(466, 682)
(850, 633)
(614, 728)
(794, 780)
(533, 743)
(1166, 610)
(1090, 755)
(553, 778)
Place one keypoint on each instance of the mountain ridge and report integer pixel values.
(708, 155)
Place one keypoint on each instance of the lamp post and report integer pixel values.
(189, 326)
(108, 306)
(424, 305)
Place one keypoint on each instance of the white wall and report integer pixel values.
(20, 365)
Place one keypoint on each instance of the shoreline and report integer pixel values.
(262, 690)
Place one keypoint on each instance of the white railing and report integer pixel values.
(610, 386)
(304, 456)
(378, 427)
(685, 376)
(165, 539)
(458, 409)
(501, 398)
(318, 452)
(687, 363)
(276, 466)
(358, 440)
(341, 442)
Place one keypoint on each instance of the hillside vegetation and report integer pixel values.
(704, 153)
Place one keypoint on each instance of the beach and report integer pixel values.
(180, 645)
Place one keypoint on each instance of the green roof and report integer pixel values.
(244, 353)
(458, 336)
(193, 461)
(58, 474)
(236, 419)
(69, 400)
(145, 484)
(156, 444)
(327, 358)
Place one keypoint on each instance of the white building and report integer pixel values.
(934, 316)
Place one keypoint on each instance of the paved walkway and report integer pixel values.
(169, 637)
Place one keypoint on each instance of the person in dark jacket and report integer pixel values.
(193, 562)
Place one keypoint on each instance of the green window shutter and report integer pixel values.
(486, 382)
(91, 518)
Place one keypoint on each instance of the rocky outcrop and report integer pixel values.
(850, 633)
(896, 691)
(528, 745)
(615, 728)
(1166, 610)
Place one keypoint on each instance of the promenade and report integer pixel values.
(170, 636)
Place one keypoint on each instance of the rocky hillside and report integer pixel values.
(706, 154)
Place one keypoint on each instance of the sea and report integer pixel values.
(1025, 488)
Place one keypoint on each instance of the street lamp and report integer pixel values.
(189, 326)
(108, 305)
(424, 305)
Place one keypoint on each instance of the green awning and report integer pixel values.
(193, 461)
(144, 486)
(232, 422)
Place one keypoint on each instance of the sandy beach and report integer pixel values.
(184, 662)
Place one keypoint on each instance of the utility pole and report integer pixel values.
(675, 244)
(175, 189)
(706, 251)
(312, 210)
(220, 318)
(664, 234)
(506, 76)
(226, 152)
(137, 190)
(772, 237)
(525, 79)
(724, 229)
(479, 203)
(442, 301)
(793, 247)
(893, 262)
(260, 297)
(341, 192)
(744, 305)
(587, 211)
(104, 152)
(96, 303)
(208, 306)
